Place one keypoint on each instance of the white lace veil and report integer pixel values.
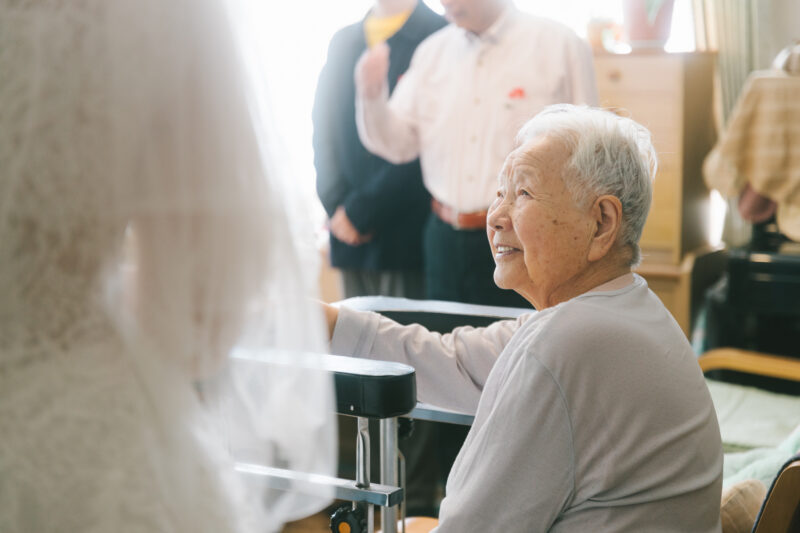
(142, 113)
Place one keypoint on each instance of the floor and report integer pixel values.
(317, 523)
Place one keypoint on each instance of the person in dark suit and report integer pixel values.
(377, 210)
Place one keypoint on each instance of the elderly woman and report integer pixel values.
(592, 414)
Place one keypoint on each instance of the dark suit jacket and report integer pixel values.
(389, 200)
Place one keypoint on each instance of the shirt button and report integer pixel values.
(477, 101)
(474, 138)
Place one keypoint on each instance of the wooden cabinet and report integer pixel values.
(670, 94)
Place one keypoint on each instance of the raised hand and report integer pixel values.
(371, 70)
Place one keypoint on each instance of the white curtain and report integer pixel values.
(778, 24)
(730, 28)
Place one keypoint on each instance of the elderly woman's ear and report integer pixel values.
(607, 214)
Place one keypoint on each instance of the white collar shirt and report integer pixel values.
(461, 102)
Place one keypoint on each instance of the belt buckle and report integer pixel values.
(456, 216)
(456, 220)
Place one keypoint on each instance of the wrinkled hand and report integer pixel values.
(331, 316)
(371, 70)
(345, 231)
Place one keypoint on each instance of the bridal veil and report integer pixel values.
(145, 236)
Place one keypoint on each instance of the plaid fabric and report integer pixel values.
(761, 146)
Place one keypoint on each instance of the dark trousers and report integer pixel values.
(459, 267)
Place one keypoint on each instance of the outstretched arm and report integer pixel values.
(331, 315)
(451, 368)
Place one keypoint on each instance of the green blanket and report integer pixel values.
(760, 431)
(761, 463)
(752, 418)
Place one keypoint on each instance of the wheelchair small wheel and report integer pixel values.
(345, 519)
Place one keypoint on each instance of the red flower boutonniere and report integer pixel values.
(517, 93)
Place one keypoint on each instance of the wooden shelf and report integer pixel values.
(671, 95)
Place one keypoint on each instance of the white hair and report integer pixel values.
(609, 154)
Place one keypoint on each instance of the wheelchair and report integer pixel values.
(383, 391)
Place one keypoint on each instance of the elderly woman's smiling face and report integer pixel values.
(541, 240)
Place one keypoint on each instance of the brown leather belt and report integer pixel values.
(475, 220)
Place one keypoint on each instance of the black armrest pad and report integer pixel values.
(372, 389)
(367, 388)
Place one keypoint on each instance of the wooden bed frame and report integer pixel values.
(751, 363)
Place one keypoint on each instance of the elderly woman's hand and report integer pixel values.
(331, 315)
